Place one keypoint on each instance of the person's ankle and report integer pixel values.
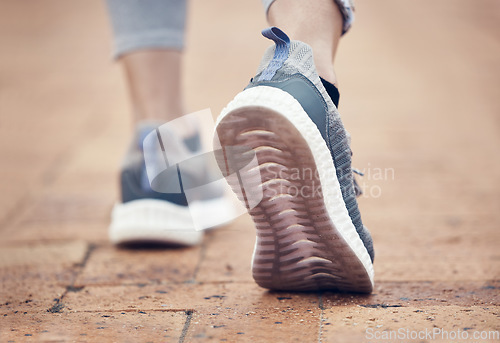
(332, 91)
(329, 80)
(327, 73)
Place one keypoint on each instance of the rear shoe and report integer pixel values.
(309, 230)
(162, 216)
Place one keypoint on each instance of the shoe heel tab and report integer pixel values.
(281, 52)
(276, 35)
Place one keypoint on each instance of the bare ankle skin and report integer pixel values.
(317, 23)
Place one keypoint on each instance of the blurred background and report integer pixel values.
(420, 94)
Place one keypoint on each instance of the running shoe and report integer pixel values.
(154, 207)
(309, 230)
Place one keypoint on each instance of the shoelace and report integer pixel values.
(357, 188)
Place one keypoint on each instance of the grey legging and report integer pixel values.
(145, 24)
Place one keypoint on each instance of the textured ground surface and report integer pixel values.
(420, 86)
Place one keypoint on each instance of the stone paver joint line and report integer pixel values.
(321, 317)
(189, 316)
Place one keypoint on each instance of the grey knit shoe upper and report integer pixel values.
(296, 73)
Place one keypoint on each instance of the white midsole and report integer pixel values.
(152, 220)
(285, 104)
(163, 221)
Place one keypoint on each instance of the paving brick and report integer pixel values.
(457, 233)
(9, 206)
(69, 207)
(432, 268)
(31, 290)
(166, 296)
(83, 184)
(90, 158)
(56, 216)
(64, 253)
(95, 232)
(438, 247)
(228, 253)
(170, 296)
(231, 311)
(425, 293)
(359, 323)
(33, 278)
(108, 265)
(135, 326)
(250, 313)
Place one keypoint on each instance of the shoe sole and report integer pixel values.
(305, 241)
(153, 221)
(159, 221)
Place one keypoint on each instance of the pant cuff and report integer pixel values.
(346, 8)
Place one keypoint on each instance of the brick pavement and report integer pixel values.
(420, 92)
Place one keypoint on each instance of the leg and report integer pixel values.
(154, 81)
(149, 38)
(317, 23)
